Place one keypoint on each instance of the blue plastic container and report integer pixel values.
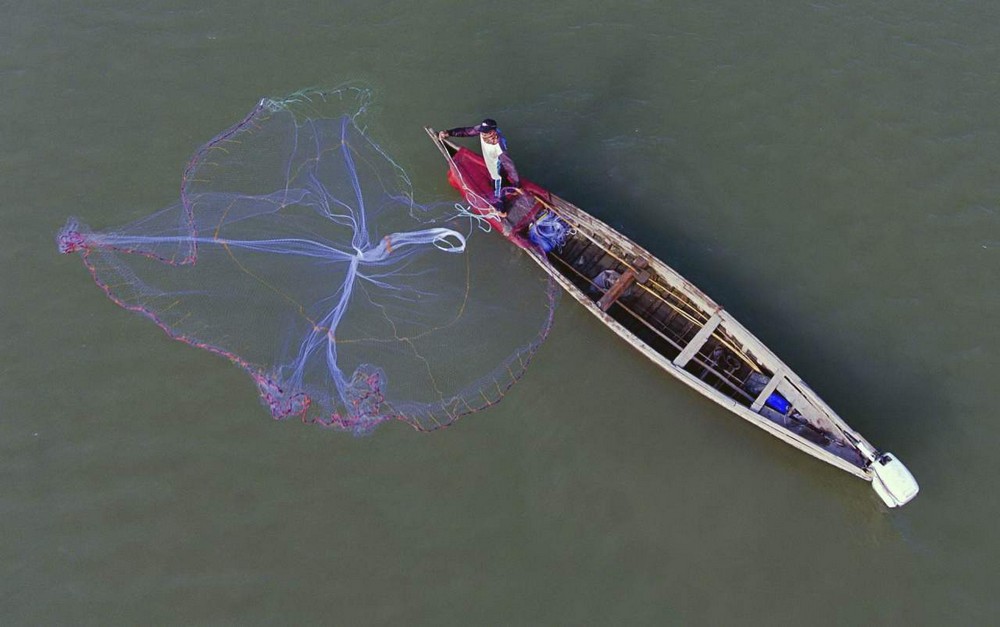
(778, 403)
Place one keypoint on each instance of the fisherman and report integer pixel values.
(494, 148)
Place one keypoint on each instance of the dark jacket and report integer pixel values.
(507, 168)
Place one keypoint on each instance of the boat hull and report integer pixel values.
(708, 350)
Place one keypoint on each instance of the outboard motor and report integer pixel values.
(892, 481)
(890, 478)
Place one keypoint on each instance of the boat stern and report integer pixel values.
(892, 481)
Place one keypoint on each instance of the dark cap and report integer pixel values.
(487, 125)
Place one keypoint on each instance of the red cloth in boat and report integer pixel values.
(479, 186)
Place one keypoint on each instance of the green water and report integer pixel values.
(828, 172)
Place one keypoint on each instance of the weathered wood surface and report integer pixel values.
(698, 341)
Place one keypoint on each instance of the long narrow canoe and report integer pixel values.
(679, 328)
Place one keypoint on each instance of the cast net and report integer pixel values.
(296, 251)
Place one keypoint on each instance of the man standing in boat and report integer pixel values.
(494, 147)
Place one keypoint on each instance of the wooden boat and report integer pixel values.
(679, 328)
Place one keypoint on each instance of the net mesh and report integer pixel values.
(297, 252)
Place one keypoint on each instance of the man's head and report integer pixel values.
(487, 125)
(488, 130)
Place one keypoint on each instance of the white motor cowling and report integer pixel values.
(892, 481)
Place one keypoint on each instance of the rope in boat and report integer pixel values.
(628, 265)
(481, 219)
(700, 323)
(665, 288)
(725, 375)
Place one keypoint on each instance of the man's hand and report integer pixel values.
(442, 135)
